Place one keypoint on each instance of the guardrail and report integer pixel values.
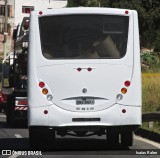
(152, 116)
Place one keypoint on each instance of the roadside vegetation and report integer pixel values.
(151, 92)
(151, 96)
(150, 62)
(155, 128)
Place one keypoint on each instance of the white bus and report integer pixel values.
(84, 74)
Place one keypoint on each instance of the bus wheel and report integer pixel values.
(33, 139)
(40, 138)
(127, 138)
(113, 138)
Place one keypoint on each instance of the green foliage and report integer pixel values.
(76, 3)
(157, 42)
(85, 3)
(148, 38)
(105, 3)
(150, 59)
(93, 3)
(150, 92)
(155, 128)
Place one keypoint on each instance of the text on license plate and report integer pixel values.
(84, 101)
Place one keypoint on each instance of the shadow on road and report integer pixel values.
(60, 144)
(19, 124)
(14, 144)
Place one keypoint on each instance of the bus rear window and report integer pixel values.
(84, 36)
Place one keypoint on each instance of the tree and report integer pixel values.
(85, 3)
(76, 3)
(157, 42)
(93, 3)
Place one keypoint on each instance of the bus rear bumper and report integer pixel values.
(98, 130)
(58, 118)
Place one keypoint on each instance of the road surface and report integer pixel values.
(16, 139)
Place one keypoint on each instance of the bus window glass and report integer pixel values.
(84, 36)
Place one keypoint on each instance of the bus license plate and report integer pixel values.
(84, 101)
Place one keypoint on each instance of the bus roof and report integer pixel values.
(84, 10)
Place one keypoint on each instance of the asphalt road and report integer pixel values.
(16, 139)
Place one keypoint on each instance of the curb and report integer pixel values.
(148, 134)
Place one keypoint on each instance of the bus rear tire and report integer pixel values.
(127, 138)
(33, 139)
(113, 138)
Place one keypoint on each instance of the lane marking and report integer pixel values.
(18, 136)
(157, 145)
(13, 156)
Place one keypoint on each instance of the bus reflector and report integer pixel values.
(41, 84)
(45, 91)
(126, 12)
(127, 83)
(45, 111)
(124, 110)
(89, 69)
(124, 90)
(40, 13)
(79, 69)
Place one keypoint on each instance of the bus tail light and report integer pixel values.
(124, 90)
(41, 84)
(45, 91)
(119, 96)
(49, 97)
(127, 83)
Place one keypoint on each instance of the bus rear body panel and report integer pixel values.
(69, 87)
(84, 91)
